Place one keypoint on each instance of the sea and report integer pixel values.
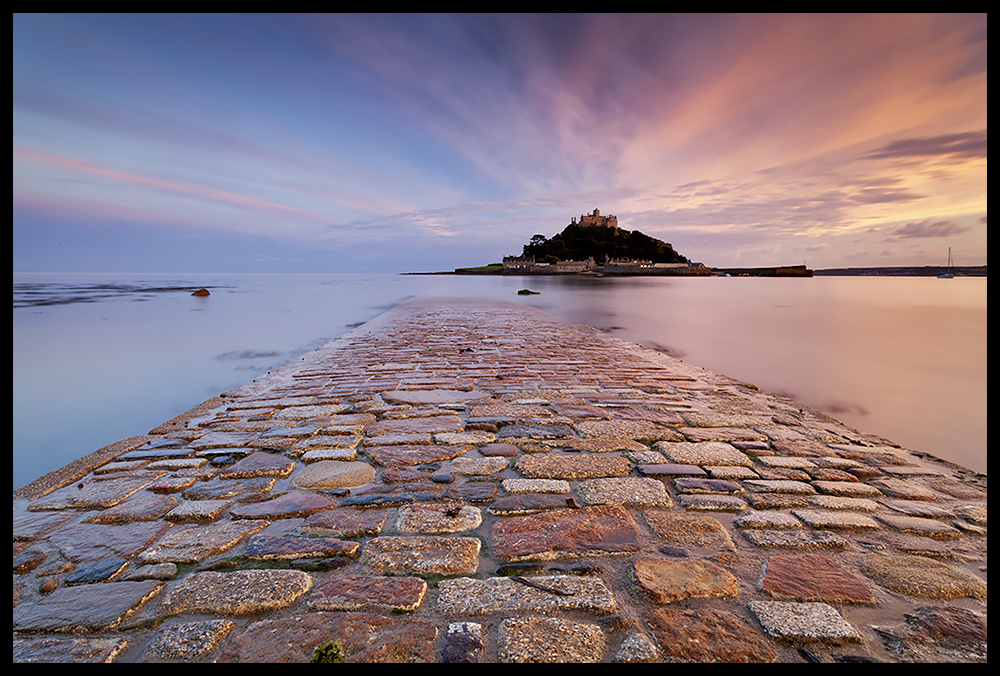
(99, 357)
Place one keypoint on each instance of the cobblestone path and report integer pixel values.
(463, 482)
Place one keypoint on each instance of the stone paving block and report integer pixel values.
(365, 637)
(922, 577)
(196, 543)
(535, 594)
(271, 547)
(707, 635)
(689, 530)
(95, 494)
(58, 649)
(591, 531)
(702, 453)
(813, 578)
(243, 592)
(836, 519)
(187, 641)
(421, 555)
(549, 639)
(437, 518)
(259, 465)
(359, 592)
(795, 539)
(806, 622)
(629, 491)
(85, 608)
(572, 466)
(673, 581)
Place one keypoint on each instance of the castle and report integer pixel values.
(595, 218)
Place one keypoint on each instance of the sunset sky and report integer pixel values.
(389, 143)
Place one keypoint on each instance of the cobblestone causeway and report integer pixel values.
(485, 482)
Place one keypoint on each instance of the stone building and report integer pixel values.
(595, 219)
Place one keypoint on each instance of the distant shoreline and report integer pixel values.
(897, 271)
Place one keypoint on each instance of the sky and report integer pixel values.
(393, 143)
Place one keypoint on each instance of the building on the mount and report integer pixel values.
(595, 219)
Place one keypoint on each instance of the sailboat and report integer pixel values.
(948, 274)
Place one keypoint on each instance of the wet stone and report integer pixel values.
(345, 523)
(549, 640)
(813, 578)
(670, 470)
(427, 425)
(475, 492)
(141, 507)
(198, 511)
(85, 608)
(775, 500)
(627, 429)
(536, 486)
(599, 445)
(847, 489)
(528, 503)
(155, 571)
(90, 572)
(545, 536)
(836, 519)
(479, 466)
(707, 635)
(572, 466)
(437, 518)
(694, 485)
(766, 520)
(365, 638)
(357, 592)
(270, 547)
(58, 649)
(689, 530)
(219, 489)
(518, 431)
(422, 555)
(499, 450)
(795, 539)
(96, 542)
(711, 503)
(630, 491)
(195, 543)
(933, 634)
(703, 453)
(806, 622)
(187, 641)
(922, 577)
(541, 594)
(333, 474)
(414, 454)
(673, 581)
(905, 490)
(778, 486)
(838, 502)
(239, 593)
(915, 525)
(286, 506)
(259, 465)
(99, 494)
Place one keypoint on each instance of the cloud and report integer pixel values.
(930, 228)
(969, 145)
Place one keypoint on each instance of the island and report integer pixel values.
(596, 245)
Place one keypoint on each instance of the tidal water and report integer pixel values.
(101, 357)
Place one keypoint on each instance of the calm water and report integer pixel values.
(100, 357)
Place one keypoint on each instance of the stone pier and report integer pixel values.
(485, 482)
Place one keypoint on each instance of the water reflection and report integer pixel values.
(900, 357)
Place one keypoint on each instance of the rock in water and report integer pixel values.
(200, 292)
